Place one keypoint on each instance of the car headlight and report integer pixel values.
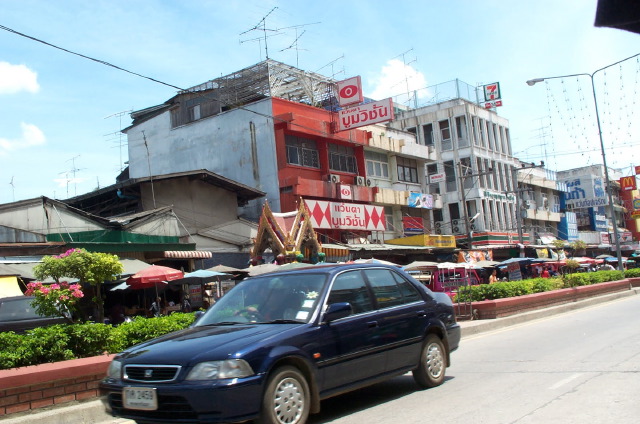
(115, 369)
(230, 368)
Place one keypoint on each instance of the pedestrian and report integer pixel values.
(186, 305)
(493, 278)
(156, 307)
(545, 273)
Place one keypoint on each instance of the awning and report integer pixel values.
(186, 254)
(9, 287)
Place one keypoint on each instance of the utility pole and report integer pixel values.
(463, 196)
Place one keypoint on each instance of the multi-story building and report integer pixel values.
(474, 169)
(272, 127)
(587, 197)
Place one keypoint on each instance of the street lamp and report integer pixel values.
(612, 211)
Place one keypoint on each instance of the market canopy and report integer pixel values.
(200, 276)
(153, 275)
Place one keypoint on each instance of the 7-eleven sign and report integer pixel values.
(492, 92)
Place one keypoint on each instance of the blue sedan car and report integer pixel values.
(277, 344)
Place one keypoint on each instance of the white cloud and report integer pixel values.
(17, 78)
(395, 80)
(31, 136)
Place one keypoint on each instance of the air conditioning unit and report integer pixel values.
(456, 230)
(456, 222)
(439, 224)
(361, 181)
(527, 204)
(333, 178)
(368, 182)
(438, 231)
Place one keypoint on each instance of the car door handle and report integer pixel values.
(372, 324)
(421, 314)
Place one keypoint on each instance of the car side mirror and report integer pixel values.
(337, 310)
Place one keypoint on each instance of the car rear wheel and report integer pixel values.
(431, 369)
(286, 399)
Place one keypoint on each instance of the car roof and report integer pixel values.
(326, 269)
(12, 298)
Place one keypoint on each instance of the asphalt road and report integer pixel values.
(578, 367)
(574, 363)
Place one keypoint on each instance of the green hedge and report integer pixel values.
(506, 289)
(62, 342)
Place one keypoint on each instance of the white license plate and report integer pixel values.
(140, 398)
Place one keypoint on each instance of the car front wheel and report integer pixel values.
(431, 369)
(286, 399)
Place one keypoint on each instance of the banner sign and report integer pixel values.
(585, 192)
(350, 91)
(436, 178)
(369, 113)
(412, 225)
(350, 216)
(420, 200)
(492, 96)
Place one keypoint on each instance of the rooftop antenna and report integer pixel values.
(294, 45)
(333, 74)
(153, 194)
(74, 170)
(119, 115)
(262, 26)
(406, 77)
(13, 188)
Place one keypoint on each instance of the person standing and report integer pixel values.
(156, 307)
(186, 305)
(493, 278)
(545, 273)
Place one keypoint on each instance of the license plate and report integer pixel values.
(140, 398)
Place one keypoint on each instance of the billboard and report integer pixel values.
(585, 192)
(348, 216)
(420, 200)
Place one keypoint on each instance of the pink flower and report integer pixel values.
(77, 294)
(54, 286)
(64, 297)
(74, 287)
(44, 290)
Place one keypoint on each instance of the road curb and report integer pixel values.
(470, 328)
(89, 412)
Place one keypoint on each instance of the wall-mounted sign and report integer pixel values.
(420, 200)
(585, 192)
(350, 91)
(637, 169)
(345, 192)
(370, 113)
(412, 225)
(437, 178)
(351, 216)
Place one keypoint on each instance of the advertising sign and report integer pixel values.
(412, 225)
(637, 169)
(585, 192)
(367, 114)
(420, 200)
(345, 192)
(437, 178)
(628, 183)
(350, 216)
(514, 271)
(350, 91)
(492, 96)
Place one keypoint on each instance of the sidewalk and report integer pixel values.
(92, 412)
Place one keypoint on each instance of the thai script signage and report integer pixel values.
(585, 192)
(412, 225)
(628, 183)
(420, 200)
(370, 113)
(350, 216)
(350, 91)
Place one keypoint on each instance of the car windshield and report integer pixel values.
(277, 298)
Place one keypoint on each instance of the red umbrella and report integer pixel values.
(153, 275)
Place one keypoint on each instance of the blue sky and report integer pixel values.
(61, 114)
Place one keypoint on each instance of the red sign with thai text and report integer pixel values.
(367, 114)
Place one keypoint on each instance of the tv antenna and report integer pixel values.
(13, 188)
(294, 44)
(333, 74)
(119, 140)
(406, 77)
(261, 26)
(72, 171)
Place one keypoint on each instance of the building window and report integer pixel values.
(377, 165)
(407, 170)
(194, 113)
(433, 187)
(302, 152)
(428, 134)
(342, 158)
(461, 129)
(445, 135)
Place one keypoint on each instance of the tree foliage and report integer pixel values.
(88, 267)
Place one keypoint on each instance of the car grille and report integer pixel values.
(151, 373)
(170, 408)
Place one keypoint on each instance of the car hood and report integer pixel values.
(204, 343)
